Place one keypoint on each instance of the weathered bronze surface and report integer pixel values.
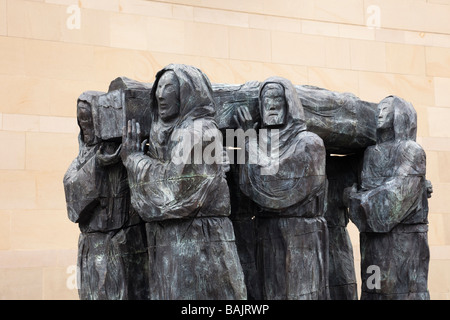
(184, 189)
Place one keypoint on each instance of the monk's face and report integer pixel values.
(273, 105)
(385, 114)
(168, 96)
(86, 122)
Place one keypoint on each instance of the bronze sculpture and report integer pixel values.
(162, 216)
(390, 207)
(192, 253)
(112, 254)
(292, 237)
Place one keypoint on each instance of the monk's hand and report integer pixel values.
(347, 193)
(105, 159)
(243, 118)
(131, 140)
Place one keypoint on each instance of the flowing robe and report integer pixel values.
(288, 184)
(183, 196)
(292, 245)
(112, 253)
(391, 211)
(192, 251)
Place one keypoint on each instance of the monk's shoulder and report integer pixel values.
(310, 139)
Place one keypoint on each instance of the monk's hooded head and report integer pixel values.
(181, 91)
(280, 108)
(85, 105)
(180, 95)
(397, 120)
(279, 105)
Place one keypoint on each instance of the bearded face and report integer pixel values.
(273, 105)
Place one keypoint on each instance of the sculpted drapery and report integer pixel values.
(112, 254)
(390, 209)
(292, 237)
(192, 251)
(154, 209)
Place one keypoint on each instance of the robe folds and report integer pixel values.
(185, 200)
(191, 242)
(390, 211)
(292, 234)
(112, 249)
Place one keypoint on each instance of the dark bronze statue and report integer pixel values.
(165, 214)
(390, 208)
(112, 254)
(183, 199)
(289, 186)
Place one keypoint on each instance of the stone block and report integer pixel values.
(50, 191)
(368, 55)
(442, 92)
(320, 28)
(12, 56)
(10, 182)
(416, 89)
(58, 124)
(5, 230)
(129, 31)
(25, 20)
(337, 53)
(405, 59)
(222, 17)
(24, 95)
(249, 44)
(21, 284)
(439, 279)
(374, 86)
(58, 60)
(182, 12)
(438, 123)
(297, 74)
(164, 35)
(356, 32)
(40, 230)
(111, 63)
(3, 18)
(334, 79)
(438, 61)
(89, 31)
(273, 23)
(20, 122)
(59, 283)
(50, 151)
(107, 5)
(206, 40)
(13, 144)
(298, 49)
